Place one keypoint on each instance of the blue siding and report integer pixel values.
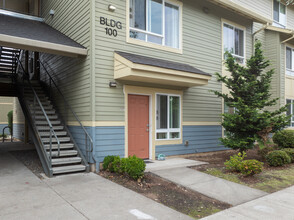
(18, 131)
(201, 139)
(107, 141)
(6, 130)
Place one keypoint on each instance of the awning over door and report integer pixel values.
(37, 36)
(137, 68)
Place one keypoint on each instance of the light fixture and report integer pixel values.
(51, 12)
(111, 8)
(112, 84)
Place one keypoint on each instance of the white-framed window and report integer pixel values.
(289, 61)
(234, 41)
(279, 14)
(155, 21)
(168, 117)
(290, 111)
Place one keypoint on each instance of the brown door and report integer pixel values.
(138, 126)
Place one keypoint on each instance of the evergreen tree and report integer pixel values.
(249, 94)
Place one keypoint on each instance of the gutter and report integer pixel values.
(256, 32)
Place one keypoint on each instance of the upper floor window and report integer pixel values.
(155, 21)
(289, 61)
(233, 41)
(279, 14)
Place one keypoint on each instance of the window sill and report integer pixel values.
(155, 46)
(168, 142)
(289, 73)
(278, 24)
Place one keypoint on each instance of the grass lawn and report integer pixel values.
(271, 179)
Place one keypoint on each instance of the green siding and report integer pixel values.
(72, 75)
(201, 48)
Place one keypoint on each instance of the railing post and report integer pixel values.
(50, 146)
(35, 109)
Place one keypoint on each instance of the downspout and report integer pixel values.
(256, 32)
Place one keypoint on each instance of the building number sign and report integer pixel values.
(111, 26)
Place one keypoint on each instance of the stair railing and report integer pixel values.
(25, 75)
(88, 139)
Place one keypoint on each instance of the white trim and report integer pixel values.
(168, 130)
(150, 121)
(278, 23)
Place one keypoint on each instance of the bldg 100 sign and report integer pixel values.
(112, 26)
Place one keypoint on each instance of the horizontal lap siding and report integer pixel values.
(72, 75)
(201, 49)
(201, 139)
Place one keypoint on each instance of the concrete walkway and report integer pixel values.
(80, 196)
(276, 206)
(217, 188)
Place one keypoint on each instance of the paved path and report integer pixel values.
(217, 188)
(80, 196)
(276, 206)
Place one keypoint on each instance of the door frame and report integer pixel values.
(150, 122)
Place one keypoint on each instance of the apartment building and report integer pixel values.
(139, 73)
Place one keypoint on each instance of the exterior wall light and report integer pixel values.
(111, 8)
(112, 84)
(51, 12)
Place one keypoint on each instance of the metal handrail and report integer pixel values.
(36, 98)
(72, 111)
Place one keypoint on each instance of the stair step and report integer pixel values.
(66, 160)
(11, 50)
(6, 61)
(62, 146)
(46, 123)
(62, 140)
(68, 169)
(6, 58)
(44, 102)
(37, 107)
(48, 112)
(63, 153)
(46, 128)
(7, 70)
(58, 133)
(42, 117)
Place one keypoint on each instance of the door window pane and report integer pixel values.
(171, 25)
(289, 58)
(161, 112)
(174, 112)
(138, 14)
(155, 14)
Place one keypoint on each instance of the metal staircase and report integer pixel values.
(56, 147)
(7, 61)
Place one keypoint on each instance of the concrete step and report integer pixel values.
(62, 146)
(68, 169)
(48, 112)
(62, 140)
(63, 153)
(57, 122)
(46, 128)
(66, 160)
(42, 117)
(58, 133)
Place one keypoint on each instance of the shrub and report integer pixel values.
(235, 161)
(284, 139)
(10, 121)
(290, 152)
(264, 151)
(278, 158)
(120, 165)
(107, 162)
(251, 167)
(135, 167)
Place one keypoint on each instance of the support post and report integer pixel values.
(26, 122)
(36, 66)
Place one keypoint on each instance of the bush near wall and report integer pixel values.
(278, 158)
(284, 139)
(132, 166)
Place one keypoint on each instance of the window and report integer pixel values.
(155, 21)
(290, 111)
(279, 14)
(289, 61)
(233, 38)
(168, 117)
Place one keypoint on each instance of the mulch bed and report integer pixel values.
(31, 160)
(174, 196)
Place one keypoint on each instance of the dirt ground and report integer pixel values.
(176, 197)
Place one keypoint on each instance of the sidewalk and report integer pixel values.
(79, 196)
(217, 188)
(276, 206)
